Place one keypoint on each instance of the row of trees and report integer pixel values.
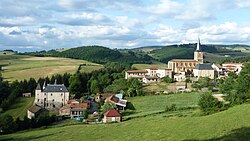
(9, 125)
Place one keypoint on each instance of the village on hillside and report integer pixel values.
(56, 97)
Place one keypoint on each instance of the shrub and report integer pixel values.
(208, 104)
(171, 108)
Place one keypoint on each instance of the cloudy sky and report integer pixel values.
(28, 25)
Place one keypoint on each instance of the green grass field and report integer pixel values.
(19, 109)
(157, 103)
(146, 66)
(232, 124)
(18, 67)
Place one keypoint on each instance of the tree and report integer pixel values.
(167, 79)
(94, 87)
(75, 85)
(107, 106)
(7, 124)
(208, 104)
(85, 114)
(228, 85)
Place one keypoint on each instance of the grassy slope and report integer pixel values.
(146, 66)
(19, 109)
(23, 67)
(233, 123)
(153, 104)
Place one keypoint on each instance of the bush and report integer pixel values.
(171, 108)
(208, 104)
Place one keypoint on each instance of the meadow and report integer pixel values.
(19, 108)
(232, 124)
(146, 105)
(19, 67)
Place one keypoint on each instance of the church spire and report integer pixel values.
(198, 47)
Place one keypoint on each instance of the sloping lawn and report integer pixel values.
(232, 124)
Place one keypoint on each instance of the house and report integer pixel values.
(218, 70)
(52, 96)
(74, 108)
(187, 65)
(112, 116)
(204, 70)
(103, 96)
(232, 67)
(26, 94)
(34, 111)
(118, 101)
(180, 77)
(153, 74)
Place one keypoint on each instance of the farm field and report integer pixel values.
(19, 109)
(18, 67)
(220, 126)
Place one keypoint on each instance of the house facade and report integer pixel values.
(74, 108)
(153, 74)
(112, 116)
(52, 96)
(204, 70)
(33, 111)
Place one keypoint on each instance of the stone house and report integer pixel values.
(34, 111)
(52, 96)
(204, 70)
(112, 116)
(26, 94)
(74, 108)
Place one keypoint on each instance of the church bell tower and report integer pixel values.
(198, 54)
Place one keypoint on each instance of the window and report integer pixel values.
(53, 100)
(51, 94)
(113, 118)
(37, 100)
(62, 99)
(61, 94)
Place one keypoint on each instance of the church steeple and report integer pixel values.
(198, 54)
(198, 47)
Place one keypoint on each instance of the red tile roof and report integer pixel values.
(137, 71)
(154, 68)
(112, 113)
(112, 99)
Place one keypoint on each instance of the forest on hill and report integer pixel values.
(146, 55)
(97, 54)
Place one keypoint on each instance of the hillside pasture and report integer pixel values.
(19, 108)
(157, 103)
(18, 67)
(232, 124)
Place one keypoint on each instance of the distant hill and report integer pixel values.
(146, 54)
(167, 53)
(98, 54)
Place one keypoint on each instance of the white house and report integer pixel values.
(52, 96)
(153, 74)
(204, 70)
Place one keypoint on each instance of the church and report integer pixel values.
(187, 65)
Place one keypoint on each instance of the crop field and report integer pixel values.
(18, 67)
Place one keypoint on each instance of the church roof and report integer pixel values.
(183, 60)
(55, 88)
(203, 67)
